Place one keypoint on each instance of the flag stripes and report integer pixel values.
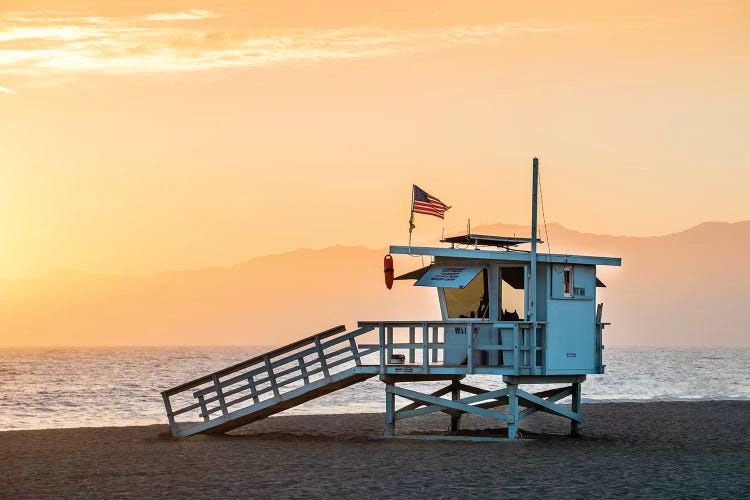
(425, 203)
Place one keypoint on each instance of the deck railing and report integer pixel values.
(525, 352)
(270, 375)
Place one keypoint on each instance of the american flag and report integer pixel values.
(424, 203)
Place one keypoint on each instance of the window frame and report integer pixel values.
(484, 276)
(568, 271)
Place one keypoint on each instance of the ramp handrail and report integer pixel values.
(271, 372)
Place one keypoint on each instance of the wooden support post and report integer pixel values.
(271, 376)
(322, 358)
(512, 411)
(390, 411)
(425, 351)
(170, 416)
(220, 395)
(455, 396)
(435, 341)
(412, 339)
(576, 428)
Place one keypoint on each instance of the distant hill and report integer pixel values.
(264, 301)
(687, 288)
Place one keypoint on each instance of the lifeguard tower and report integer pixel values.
(552, 335)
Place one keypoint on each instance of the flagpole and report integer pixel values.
(411, 217)
(410, 221)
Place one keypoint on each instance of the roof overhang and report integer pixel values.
(507, 256)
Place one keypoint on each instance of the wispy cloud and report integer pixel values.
(187, 15)
(6, 90)
(55, 44)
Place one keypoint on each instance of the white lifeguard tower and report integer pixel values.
(552, 335)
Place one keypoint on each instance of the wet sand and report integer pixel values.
(685, 450)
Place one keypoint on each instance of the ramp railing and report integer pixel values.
(271, 375)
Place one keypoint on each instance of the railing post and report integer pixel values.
(425, 351)
(271, 376)
(412, 339)
(303, 369)
(389, 331)
(355, 351)
(204, 410)
(545, 351)
(381, 340)
(469, 348)
(322, 358)
(532, 352)
(434, 341)
(220, 395)
(516, 357)
(253, 391)
(170, 416)
(493, 357)
(599, 347)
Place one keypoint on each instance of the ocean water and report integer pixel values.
(56, 388)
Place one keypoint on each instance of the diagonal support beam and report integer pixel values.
(472, 389)
(551, 392)
(549, 405)
(413, 406)
(551, 395)
(501, 400)
(438, 404)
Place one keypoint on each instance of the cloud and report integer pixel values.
(6, 90)
(54, 44)
(188, 15)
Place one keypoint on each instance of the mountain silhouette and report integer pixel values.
(681, 289)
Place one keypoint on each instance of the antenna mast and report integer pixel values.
(532, 284)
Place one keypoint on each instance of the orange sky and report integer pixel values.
(147, 135)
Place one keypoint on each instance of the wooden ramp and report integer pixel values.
(268, 384)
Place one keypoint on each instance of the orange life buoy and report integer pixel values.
(388, 267)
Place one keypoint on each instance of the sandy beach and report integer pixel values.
(686, 450)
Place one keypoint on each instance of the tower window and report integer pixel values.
(568, 281)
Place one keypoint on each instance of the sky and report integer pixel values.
(143, 136)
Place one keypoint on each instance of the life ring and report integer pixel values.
(388, 268)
